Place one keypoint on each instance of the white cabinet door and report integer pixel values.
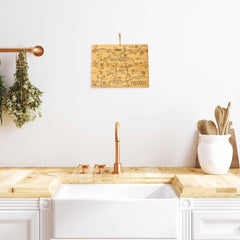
(216, 224)
(19, 225)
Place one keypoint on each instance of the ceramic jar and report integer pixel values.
(215, 153)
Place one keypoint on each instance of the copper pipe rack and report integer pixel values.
(37, 50)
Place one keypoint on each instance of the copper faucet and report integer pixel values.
(117, 169)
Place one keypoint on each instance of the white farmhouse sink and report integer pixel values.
(115, 211)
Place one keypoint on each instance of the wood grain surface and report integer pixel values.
(188, 182)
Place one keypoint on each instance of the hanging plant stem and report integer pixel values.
(22, 101)
(2, 92)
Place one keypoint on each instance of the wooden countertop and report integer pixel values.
(188, 182)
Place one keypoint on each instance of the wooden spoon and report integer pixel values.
(207, 127)
(201, 125)
(211, 128)
(219, 115)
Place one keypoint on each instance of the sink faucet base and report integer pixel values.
(117, 169)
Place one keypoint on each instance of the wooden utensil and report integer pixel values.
(201, 125)
(219, 115)
(211, 128)
(226, 119)
(207, 127)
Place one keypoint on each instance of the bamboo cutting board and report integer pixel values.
(120, 66)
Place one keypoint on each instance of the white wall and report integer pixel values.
(194, 64)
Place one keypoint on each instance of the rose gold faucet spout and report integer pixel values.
(117, 169)
(117, 132)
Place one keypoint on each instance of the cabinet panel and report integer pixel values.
(22, 225)
(216, 224)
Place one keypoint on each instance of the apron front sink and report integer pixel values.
(115, 211)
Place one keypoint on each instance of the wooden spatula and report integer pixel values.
(219, 116)
(226, 119)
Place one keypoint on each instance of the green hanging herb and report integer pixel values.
(22, 101)
(2, 92)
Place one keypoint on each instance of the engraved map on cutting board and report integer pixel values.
(120, 66)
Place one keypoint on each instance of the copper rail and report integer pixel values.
(37, 50)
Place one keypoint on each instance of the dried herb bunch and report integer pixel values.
(22, 101)
(2, 92)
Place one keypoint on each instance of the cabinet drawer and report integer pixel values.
(215, 224)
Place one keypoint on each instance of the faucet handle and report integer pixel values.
(83, 168)
(99, 167)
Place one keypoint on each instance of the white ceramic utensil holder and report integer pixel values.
(215, 153)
